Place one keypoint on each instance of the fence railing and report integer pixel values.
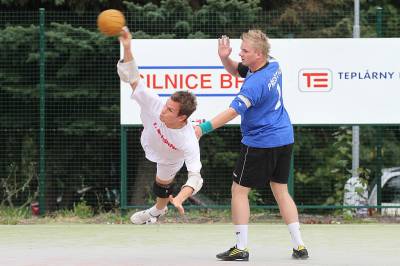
(60, 130)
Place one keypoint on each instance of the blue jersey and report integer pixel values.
(264, 120)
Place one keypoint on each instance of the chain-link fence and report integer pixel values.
(75, 149)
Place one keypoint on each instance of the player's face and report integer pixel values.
(169, 114)
(248, 54)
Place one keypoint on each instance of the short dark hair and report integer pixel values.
(187, 102)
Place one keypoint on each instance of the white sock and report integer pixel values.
(154, 211)
(241, 235)
(294, 229)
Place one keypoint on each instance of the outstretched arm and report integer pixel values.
(224, 117)
(218, 121)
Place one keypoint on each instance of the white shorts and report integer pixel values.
(167, 172)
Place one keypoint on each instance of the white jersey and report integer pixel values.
(162, 144)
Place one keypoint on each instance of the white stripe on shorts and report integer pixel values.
(244, 163)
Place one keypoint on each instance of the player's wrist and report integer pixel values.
(206, 127)
(224, 59)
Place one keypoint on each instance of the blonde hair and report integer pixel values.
(259, 40)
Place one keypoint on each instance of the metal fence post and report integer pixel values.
(379, 167)
(42, 93)
(379, 15)
(124, 166)
(356, 128)
(379, 143)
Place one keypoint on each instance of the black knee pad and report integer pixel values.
(162, 191)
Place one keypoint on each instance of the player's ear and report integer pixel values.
(182, 118)
(259, 54)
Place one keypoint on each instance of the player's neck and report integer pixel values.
(176, 125)
(258, 65)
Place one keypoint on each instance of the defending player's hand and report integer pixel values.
(224, 47)
(177, 204)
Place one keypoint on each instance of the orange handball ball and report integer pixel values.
(110, 22)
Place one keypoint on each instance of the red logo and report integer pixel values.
(318, 80)
(163, 139)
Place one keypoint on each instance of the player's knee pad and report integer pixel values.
(194, 181)
(162, 191)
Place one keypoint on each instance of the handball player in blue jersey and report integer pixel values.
(267, 138)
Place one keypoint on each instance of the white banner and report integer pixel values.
(325, 81)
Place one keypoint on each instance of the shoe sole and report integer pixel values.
(233, 259)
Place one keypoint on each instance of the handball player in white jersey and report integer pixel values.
(168, 139)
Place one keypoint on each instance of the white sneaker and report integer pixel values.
(145, 217)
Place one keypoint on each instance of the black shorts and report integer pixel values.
(256, 167)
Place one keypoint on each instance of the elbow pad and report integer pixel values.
(194, 181)
(128, 72)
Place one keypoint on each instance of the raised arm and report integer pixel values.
(127, 69)
(224, 51)
(125, 39)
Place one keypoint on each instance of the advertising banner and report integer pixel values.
(325, 81)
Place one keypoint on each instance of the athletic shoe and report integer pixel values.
(300, 253)
(145, 217)
(234, 254)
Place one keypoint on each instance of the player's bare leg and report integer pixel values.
(151, 215)
(240, 218)
(240, 204)
(287, 207)
(289, 213)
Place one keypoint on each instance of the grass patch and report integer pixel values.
(84, 214)
(13, 215)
